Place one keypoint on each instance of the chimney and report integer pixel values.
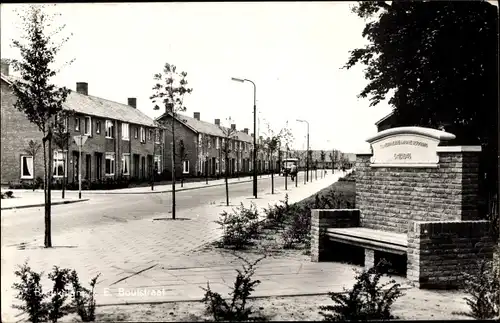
(132, 102)
(233, 126)
(82, 88)
(5, 68)
(217, 122)
(196, 115)
(245, 130)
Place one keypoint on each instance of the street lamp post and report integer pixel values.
(307, 153)
(254, 133)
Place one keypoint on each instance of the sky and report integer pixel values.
(293, 51)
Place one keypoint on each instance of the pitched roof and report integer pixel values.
(98, 107)
(384, 118)
(208, 128)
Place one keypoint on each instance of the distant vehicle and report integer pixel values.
(286, 165)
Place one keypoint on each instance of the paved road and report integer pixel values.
(24, 224)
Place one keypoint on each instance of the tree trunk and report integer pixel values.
(272, 177)
(34, 173)
(173, 169)
(48, 172)
(206, 169)
(227, 185)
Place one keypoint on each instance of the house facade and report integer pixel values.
(202, 152)
(121, 140)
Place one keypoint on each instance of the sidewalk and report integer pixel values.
(20, 202)
(136, 254)
(168, 187)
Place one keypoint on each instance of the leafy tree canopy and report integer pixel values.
(436, 61)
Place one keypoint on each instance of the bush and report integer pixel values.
(237, 310)
(83, 298)
(239, 227)
(276, 215)
(31, 294)
(351, 177)
(484, 292)
(367, 300)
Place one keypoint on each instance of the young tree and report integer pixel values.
(62, 139)
(206, 144)
(322, 157)
(37, 97)
(32, 149)
(183, 156)
(272, 145)
(169, 90)
(229, 135)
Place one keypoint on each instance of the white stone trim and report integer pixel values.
(425, 132)
(406, 165)
(456, 149)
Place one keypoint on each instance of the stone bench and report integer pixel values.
(437, 252)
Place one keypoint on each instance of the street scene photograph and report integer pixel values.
(249, 161)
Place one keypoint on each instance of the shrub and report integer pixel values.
(276, 215)
(484, 292)
(351, 177)
(57, 306)
(31, 294)
(9, 194)
(239, 227)
(83, 298)
(237, 310)
(367, 300)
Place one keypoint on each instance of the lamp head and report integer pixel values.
(237, 79)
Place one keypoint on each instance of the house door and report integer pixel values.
(88, 168)
(143, 167)
(136, 166)
(98, 165)
(213, 165)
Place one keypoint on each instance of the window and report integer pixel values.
(59, 166)
(125, 164)
(136, 132)
(185, 166)
(157, 136)
(209, 142)
(223, 143)
(241, 146)
(110, 129)
(150, 134)
(200, 140)
(217, 143)
(98, 126)
(88, 126)
(77, 124)
(125, 131)
(62, 122)
(143, 134)
(110, 164)
(217, 166)
(158, 164)
(26, 167)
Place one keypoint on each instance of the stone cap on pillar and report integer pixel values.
(407, 147)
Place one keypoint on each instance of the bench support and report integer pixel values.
(323, 219)
(440, 252)
(369, 258)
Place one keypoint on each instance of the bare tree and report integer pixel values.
(272, 145)
(322, 157)
(171, 95)
(62, 140)
(229, 135)
(37, 97)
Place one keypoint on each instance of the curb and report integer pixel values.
(197, 300)
(104, 192)
(42, 204)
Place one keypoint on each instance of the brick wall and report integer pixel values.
(390, 198)
(323, 219)
(13, 124)
(440, 252)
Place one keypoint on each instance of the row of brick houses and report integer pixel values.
(203, 144)
(122, 141)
